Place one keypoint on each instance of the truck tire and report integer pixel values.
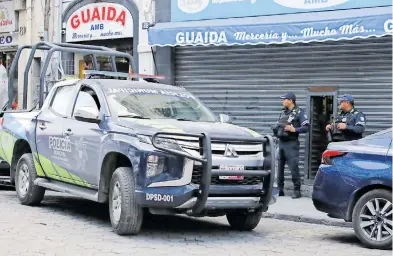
(372, 219)
(28, 193)
(244, 221)
(126, 216)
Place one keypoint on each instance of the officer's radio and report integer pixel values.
(279, 129)
(335, 130)
(335, 133)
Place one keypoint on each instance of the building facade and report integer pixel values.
(115, 24)
(20, 23)
(240, 56)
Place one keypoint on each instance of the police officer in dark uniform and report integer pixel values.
(292, 121)
(349, 124)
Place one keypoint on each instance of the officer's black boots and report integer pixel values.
(281, 193)
(296, 194)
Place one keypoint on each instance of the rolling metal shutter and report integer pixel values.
(246, 81)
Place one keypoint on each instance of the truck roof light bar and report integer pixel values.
(133, 75)
(120, 74)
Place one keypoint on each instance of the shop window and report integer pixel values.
(105, 62)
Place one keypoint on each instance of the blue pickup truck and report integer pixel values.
(141, 146)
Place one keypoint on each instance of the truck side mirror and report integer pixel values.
(87, 114)
(225, 118)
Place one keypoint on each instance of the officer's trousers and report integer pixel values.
(289, 153)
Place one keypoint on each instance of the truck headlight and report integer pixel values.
(154, 166)
(168, 143)
(144, 139)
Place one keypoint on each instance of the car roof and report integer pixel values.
(377, 143)
(380, 133)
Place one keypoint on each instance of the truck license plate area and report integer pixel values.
(231, 168)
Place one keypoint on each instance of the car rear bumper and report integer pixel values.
(326, 189)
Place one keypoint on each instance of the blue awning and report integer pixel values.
(278, 29)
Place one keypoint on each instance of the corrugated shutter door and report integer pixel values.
(246, 81)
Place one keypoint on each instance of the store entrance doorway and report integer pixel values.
(321, 109)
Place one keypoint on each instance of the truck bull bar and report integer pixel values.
(268, 171)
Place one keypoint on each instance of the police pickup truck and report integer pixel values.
(141, 147)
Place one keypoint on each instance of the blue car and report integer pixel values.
(354, 183)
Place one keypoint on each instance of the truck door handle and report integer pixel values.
(42, 126)
(67, 132)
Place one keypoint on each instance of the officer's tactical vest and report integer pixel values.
(349, 119)
(287, 119)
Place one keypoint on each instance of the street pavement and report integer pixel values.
(65, 225)
(303, 210)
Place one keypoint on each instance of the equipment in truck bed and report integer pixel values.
(52, 48)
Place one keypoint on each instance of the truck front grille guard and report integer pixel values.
(268, 171)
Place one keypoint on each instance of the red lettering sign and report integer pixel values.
(96, 14)
(111, 13)
(122, 18)
(75, 21)
(86, 16)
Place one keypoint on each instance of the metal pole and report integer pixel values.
(56, 32)
(47, 15)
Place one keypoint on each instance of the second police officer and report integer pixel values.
(350, 123)
(292, 121)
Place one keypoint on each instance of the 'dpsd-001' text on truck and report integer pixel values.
(139, 145)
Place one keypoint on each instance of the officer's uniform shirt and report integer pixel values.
(298, 118)
(356, 125)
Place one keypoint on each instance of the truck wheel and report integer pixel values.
(372, 219)
(244, 221)
(28, 193)
(126, 216)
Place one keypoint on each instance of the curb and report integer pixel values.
(333, 222)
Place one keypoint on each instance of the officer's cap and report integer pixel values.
(289, 96)
(346, 97)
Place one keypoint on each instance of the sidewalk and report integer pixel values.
(301, 210)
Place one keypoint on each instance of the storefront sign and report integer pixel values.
(7, 17)
(349, 28)
(8, 40)
(185, 10)
(99, 21)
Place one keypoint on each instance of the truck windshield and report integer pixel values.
(157, 104)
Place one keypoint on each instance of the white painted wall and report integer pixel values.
(32, 19)
(146, 14)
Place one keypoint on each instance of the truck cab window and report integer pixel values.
(61, 99)
(87, 98)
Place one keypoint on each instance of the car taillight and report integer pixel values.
(328, 155)
(1, 121)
